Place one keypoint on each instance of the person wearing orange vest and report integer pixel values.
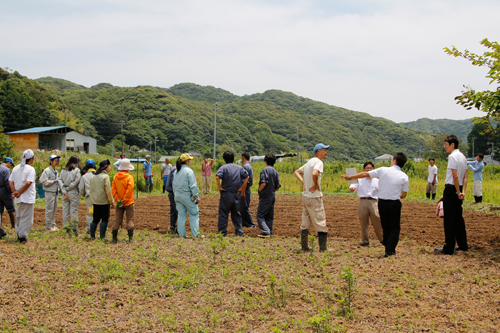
(123, 193)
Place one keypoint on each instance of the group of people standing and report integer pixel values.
(234, 184)
(73, 181)
(379, 191)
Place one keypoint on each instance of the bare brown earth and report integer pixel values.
(161, 283)
(418, 221)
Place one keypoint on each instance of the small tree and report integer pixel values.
(486, 101)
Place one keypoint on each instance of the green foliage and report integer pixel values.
(347, 292)
(442, 126)
(487, 101)
(482, 134)
(25, 103)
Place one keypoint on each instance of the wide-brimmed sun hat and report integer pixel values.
(125, 165)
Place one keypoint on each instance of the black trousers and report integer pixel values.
(246, 216)
(454, 223)
(230, 202)
(173, 211)
(390, 218)
(101, 213)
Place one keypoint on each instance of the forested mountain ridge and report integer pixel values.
(181, 119)
(460, 128)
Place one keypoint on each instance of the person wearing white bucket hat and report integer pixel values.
(123, 193)
(22, 184)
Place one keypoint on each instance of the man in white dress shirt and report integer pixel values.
(367, 189)
(393, 186)
(453, 196)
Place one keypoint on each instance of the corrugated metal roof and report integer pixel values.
(37, 130)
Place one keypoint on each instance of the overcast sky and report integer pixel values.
(384, 58)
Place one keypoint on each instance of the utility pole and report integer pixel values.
(121, 124)
(298, 152)
(215, 125)
(473, 138)
(149, 148)
(155, 149)
(112, 149)
(492, 150)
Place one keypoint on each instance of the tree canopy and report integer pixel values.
(487, 101)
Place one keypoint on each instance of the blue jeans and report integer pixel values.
(165, 178)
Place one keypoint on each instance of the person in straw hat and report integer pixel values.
(123, 193)
(186, 196)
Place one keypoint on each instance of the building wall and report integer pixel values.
(81, 139)
(24, 141)
(52, 141)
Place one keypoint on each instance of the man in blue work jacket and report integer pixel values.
(478, 167)
(234, 183)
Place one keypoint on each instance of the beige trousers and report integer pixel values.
(313, 212)
(368, 210)
(205, 184)
(431, 188)
(130, 211)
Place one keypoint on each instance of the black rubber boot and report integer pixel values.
(150, 188)
(12, 216)
(480, 199)
(304, 239)
(102, 231)
(428, 195)
(93, 228)
(130, 236)
(433, 196)
(476, 199)
(322, 236)
(115, 236)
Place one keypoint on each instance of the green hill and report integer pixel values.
(181, 119)
(460, 128)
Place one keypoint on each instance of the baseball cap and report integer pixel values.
(148, 156)
(320, 146)
(54, 157)
(90, 162)
(184, 157)
(8, 159)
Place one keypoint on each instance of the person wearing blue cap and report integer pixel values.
(147, 169)
(313, 210)
(6, 192)
(87, 172)
(49, 179)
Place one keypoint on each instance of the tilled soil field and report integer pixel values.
(418, 222)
